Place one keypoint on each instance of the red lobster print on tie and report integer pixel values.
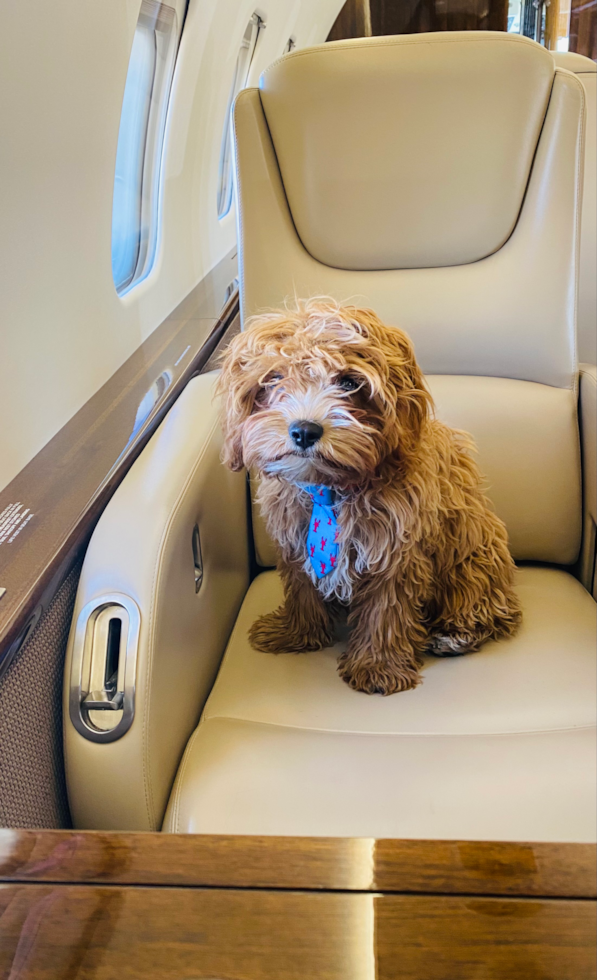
(322, 548)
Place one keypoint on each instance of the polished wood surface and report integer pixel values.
(308, 863)
(418, 16)
(101, 906)
(67, 485)
(583, 28)
(354, 20)
(363, 18)
(103, 933)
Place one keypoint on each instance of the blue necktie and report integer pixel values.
(322, 537)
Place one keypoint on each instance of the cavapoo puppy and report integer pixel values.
(373, 502)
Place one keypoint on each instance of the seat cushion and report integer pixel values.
(497, 745)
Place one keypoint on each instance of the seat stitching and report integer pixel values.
(388, 41)
(340, 731)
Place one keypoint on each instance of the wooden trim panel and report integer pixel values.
(364, 18)
(100, 933)
(308, 863)
(53, 504)
(173, 907)
(583, 28)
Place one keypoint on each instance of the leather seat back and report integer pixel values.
(586, 71)
(435, 178)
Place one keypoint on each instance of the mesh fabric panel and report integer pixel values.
(32, 781)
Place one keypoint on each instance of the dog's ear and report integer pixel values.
(237, 391)
(405, 390)
(412, 399)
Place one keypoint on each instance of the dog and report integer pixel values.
(373, 502)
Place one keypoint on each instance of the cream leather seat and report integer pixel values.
(497, 746)
(586, 70)
(437, 179)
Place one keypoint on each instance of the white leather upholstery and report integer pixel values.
(588, 411)
(511, 315)
(527, 438)
(588, 399)
(142, 548)
(498, 744)
(572, 61)
(586, 71)
(400, 92)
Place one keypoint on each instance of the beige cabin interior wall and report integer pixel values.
(63, 329)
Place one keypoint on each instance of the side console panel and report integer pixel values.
(163, 579)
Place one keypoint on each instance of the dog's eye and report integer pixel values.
(347, 383)
(272, 379)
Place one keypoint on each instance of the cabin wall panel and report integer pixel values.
(63, 65)
(62, 72)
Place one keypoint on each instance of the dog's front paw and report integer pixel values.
(450, 644)
(453, 643)
(277, 633)
(382, 678)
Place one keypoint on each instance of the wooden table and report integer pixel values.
(101, 906)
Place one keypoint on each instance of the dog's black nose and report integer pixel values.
(305, 434)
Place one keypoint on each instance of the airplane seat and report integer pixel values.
(434, 178)
(586, 71)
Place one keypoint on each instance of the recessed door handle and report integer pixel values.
(104, 667)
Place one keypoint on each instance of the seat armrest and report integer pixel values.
(588, 422)
(174, 540)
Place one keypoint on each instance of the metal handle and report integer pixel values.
(197, 558)
(104, 666)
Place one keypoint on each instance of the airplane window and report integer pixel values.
(514, 17)
(241, 75)
(545, 22)
(140, 140)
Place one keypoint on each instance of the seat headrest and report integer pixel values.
(411, 151)
(572, 61)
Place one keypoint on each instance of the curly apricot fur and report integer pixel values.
(424, 561)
